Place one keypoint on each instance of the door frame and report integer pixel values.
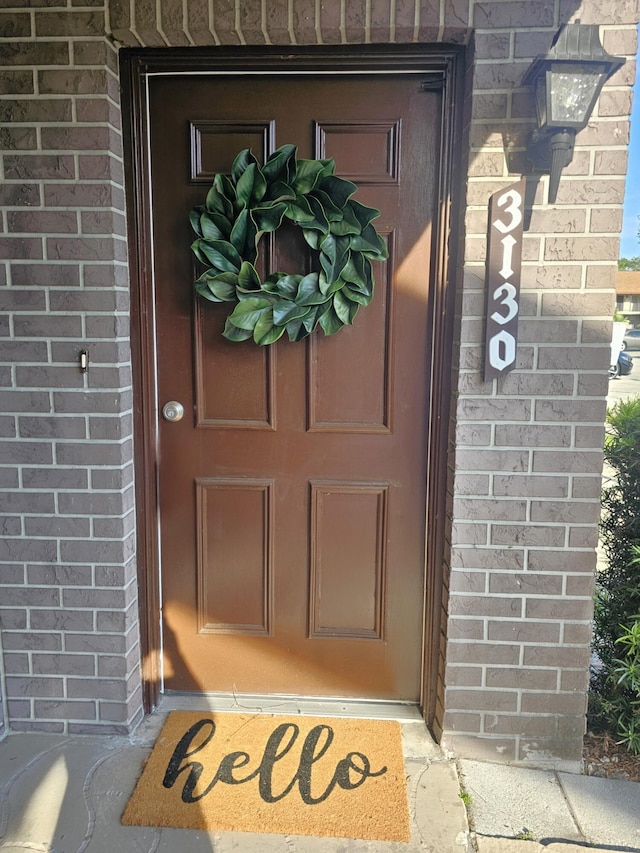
(443, 68)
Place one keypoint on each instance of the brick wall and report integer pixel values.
(68, 593)
(525, 452)
(528, 446)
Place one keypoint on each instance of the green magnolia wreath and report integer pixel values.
(255, 200)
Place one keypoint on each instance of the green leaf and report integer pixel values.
(339, 190)
(194, 219)
(274, 335)
(244, 187)
(347, 225)
(233, 333)
(216, 202)
(308, 173)
(319, 221)
(365, 288)
(222, 197)
(354, 270)
(259, 187)
(294, 327)
(328, 166)
(344, 309)
(323, 282)
(368, 273)
(310, 320)
(299, 210)
(238, 235)
(218, 288)
(331, 211)
(309, 292)
(248, 311)
(287, 285)
(265, 331)
(251, 186)
(286, 310)
(270, 284)
(312, 237)
(363, 214)
(197, 251)
(268, 219)
(371, 244)
(336, 285)
(355, 295)
(224, 186)
(221, 255)
(334, 255)
(202, 289)
(242, 162)
(215, 226)
(276, 167)
(330, 322)
(280, 191)
(248, 277)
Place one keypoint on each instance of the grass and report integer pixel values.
(465, 796)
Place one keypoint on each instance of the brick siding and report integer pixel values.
(525, 456)
(68, 597)
(528, 447)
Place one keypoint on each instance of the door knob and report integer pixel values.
(173, 411)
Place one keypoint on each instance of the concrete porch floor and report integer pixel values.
(65, 794)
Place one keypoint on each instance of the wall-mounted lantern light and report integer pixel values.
(566, 83)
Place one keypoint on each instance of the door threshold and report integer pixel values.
(248, 703)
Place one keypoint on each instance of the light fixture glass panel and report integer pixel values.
(573, 89)
(541, 99)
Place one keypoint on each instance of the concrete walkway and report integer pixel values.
(551, 808)
(62, 794)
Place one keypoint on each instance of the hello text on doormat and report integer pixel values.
(287, 775)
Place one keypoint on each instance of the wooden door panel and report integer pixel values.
(361, 401)
(369, 152)
(292, 493)
(214, 145)
(245, 399)
(234, 565)
(348, 560)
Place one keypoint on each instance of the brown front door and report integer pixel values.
(292, 492)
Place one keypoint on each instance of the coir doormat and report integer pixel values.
(263, 773)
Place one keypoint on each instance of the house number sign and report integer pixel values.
(504, 256)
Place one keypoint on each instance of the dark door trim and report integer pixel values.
(442, 67)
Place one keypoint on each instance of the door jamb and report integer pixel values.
(443, 68)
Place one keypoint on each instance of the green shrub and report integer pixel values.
(615, 697)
